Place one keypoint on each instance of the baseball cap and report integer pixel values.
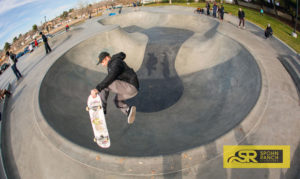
(101, 56)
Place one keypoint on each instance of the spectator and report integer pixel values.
(30, 48)
(13, 62)
(207, 8)
(222, 13)
(47, 47)
(67, 28)
(3, 93)
(198, 10)
(241, 15)
(268, 31)
(36, 44)
(261, 11)
(215, 8)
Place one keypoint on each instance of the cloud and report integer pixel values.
(7, 5)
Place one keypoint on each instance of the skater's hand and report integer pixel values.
(94, 93)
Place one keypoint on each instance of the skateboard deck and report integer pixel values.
(97, 117)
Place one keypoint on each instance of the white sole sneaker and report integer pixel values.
(131, 116)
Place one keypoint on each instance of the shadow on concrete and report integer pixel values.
(292, 66)
(294, 171)
(6, 146)
(160, 85)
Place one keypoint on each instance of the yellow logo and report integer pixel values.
(251, 156)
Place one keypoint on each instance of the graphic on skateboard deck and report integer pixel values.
(97, 117)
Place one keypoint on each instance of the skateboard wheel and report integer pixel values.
(95, 140)
(99, 107)
(87, 108)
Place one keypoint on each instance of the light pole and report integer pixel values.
(294, 34)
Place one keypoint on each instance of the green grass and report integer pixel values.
(281, 30)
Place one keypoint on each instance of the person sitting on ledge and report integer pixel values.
(198, 10)
(268, 31)
(3, 93)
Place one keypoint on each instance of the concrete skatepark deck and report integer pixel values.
(204, 84)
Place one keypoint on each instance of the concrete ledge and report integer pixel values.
(3, 120)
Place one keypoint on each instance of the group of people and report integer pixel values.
(218, 11)
(13, 58)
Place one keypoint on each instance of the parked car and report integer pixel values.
(49, 35)
(20, 55)
(40, 40)
(26, 50)
(4, 67)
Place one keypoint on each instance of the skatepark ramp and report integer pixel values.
(195, 85)
(203, 84)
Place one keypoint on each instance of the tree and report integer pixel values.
(71, 10)
(6, 46)
(64, 15)
(15, 39)
(34, 27)
(20, 35)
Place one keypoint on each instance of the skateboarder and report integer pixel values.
(121, 80)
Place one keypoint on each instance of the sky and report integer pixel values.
(18, 16)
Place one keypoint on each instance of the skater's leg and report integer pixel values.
(124, 91)
(104, 95)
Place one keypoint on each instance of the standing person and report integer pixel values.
(13, 62)
(67, 28)
(261, 11)
(45, 40)
(268, 31)
(30, 48)
(222, 12)
(121, 80)
(36, 43)
(215, 8)
(207, 8)
(241, 17)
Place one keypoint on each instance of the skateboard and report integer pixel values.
(97, 117)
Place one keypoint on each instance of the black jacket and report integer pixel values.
(44, 38)
(269, 30)
(118, 70)
(241, 14)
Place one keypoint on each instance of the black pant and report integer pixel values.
(16, 71)
(242, 20)
(47, 47)
(268, 34)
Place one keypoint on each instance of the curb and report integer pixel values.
(3, 116)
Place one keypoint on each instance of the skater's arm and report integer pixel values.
(116, 69)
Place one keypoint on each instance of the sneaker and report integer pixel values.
(131, 114)
(244, 27)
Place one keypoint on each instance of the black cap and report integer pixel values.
(101, 56)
